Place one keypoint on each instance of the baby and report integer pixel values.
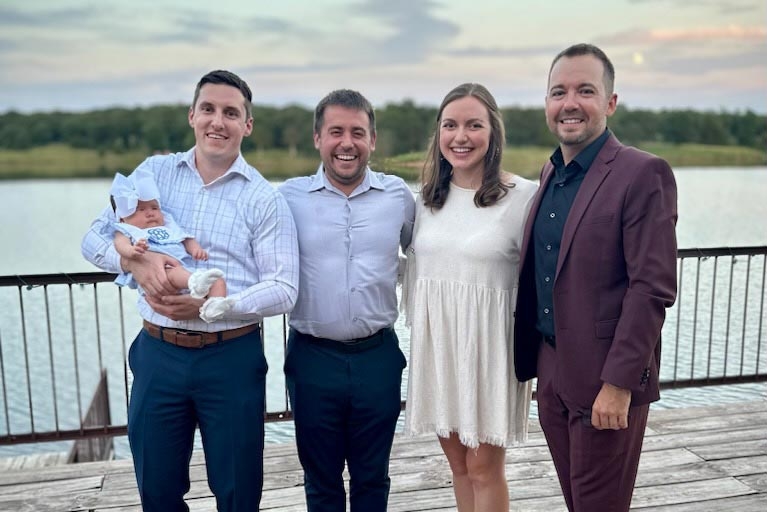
(143, 226)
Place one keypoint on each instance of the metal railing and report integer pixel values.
(58, 332)
(715, 331)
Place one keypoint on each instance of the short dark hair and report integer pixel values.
(344, 98)
(221, 76)
(576, 50)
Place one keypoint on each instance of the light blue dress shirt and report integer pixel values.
(239, 218)
(349, 253)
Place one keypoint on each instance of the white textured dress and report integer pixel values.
(459, 293)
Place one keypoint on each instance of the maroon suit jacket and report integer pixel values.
(616, 275)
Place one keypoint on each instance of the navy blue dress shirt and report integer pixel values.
(550, 223)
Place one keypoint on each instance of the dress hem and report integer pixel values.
(470, 440)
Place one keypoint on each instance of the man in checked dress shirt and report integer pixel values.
(344, 365)
(187, 372)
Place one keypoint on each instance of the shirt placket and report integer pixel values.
(352, 262)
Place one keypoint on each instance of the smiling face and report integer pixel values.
(464, 135)
(578, 103)
(345, 143)
(220, 121)
(147, 215)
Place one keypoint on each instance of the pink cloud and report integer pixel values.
(731, 32)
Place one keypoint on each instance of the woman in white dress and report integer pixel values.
(459, 294)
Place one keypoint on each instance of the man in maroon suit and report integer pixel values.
(598, 272)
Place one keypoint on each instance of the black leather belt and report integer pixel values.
(350, 346)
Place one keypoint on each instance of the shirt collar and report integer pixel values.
(239, 166)
(586, 157)
(371, 180)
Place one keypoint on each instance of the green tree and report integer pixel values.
(405, 127)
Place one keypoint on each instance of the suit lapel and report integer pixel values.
(596, 174)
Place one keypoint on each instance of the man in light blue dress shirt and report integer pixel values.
(344, 366)
(188, 373)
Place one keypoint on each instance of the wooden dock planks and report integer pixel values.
(694, 459)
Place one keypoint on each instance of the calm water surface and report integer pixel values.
(43, 222)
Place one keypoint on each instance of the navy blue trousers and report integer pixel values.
(345, 401)
(221, 388)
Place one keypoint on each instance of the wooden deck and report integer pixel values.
(694, 460)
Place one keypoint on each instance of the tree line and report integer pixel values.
(402, 128)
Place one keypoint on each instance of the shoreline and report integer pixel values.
(58, 161)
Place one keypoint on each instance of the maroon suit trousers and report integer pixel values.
(596, 468)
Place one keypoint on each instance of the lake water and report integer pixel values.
(43, 222)
(717, 207)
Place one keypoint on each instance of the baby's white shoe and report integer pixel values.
(201, 280)
(215, 307)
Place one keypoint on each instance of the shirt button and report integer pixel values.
(548, 247)
(546, 310)
(547, 279)
(552, 215)
(354, 289)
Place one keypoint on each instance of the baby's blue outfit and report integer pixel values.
(163, 239)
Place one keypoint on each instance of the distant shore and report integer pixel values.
(61, 161)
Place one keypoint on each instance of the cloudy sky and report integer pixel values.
(75, 55)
